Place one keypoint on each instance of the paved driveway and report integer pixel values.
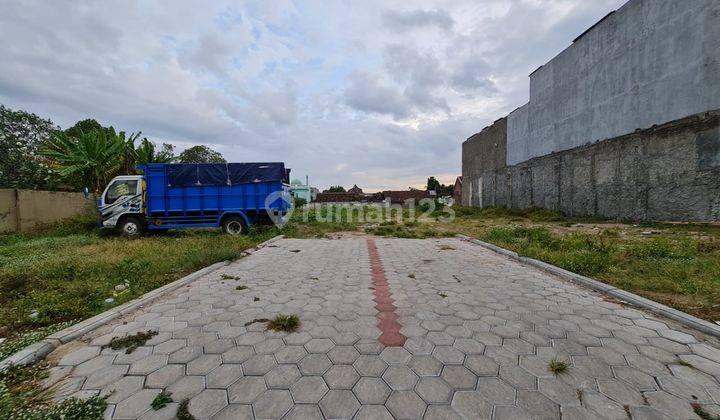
(403, 328)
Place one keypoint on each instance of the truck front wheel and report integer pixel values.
(233, 226)
(131, 227)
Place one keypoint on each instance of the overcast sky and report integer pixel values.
(377, 93)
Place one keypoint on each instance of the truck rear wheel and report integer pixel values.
(233, 226)
(131, 227)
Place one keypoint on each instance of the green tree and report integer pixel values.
(200, 154)
(84, 126)
(22, 135)
(147, 152)
(90, 159)
(433, 184)
(336, 188)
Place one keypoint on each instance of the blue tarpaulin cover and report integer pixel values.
(196, 174)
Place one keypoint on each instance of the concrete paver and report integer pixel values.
(481, 350)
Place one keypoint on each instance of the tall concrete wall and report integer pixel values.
(482, 152)
(650, 62)
(668, 172)
(22, 210)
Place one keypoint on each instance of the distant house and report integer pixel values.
(303, 191)
(355, 190)
(400, 197)
(457, 190)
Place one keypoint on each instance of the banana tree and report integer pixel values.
(89, 159)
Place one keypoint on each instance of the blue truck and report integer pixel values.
(234, 196)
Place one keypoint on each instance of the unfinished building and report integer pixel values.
(623, 123)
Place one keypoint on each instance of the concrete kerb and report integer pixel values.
(630, 298)
(37, 351)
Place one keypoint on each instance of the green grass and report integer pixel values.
(286, 323)
(674, 264)
(558, 366)
(161, 400)
(131, 342)
(23, 397)
(67, 271)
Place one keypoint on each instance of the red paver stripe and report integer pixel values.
(387, 318)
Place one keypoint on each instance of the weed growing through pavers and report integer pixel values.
(442, 295)
(411, 275)
(255, 299)
(444, 247)
(182, 412)
(241, 287)
(130, 342)
(229, 277)
(700, 411)
(580, 394)
(294, 250)
(558, 366)
(161, 400)
(682, 362)
(287, 323)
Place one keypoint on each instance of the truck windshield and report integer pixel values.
(120, 188)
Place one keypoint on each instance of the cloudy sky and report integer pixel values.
(378, 93)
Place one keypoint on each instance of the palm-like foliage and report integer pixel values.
(91, 158)
(146, 152)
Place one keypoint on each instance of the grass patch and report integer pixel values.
(131, 342)
(286, 323)
(22, 396)
(411, 275)
(24, 339)
(161, 400)
(442, 295)
(671, 263)
(229, 277)
(241, 287)
(183, 413)
(704, 415)
(558, 366)
(65, 272)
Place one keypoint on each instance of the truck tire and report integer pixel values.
(233, 225)
(130, 227)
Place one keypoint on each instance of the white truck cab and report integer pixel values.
(121, 204)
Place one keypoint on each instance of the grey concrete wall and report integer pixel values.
(22, 210)
(668, 172)
(482, 152)
(650, 62)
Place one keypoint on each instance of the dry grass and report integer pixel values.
(286, 323)
(558, 366)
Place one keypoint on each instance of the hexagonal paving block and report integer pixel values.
(283, 376)
(373, 412)
(309, 389)
(314, 364)
(269, 346)
(79, 356)
(185, 354)
(123, 388)
(207, 403)
(219, 346)
(290, 354)
(469, 346)
(235, 412)
(105, 376)
(343, 355)
(304, 412)
(395, 355)
(434, 390)
(259, 365)
(400, 377)
(297, 338)
(449, 355)
(169, 346)
(537, 405)
(459, 377)
(482, 365)
(319, 345)
(425, 365)
(496, 391)
(135, 405)
(418, 346)
(186, 387)
(246, 389)
(370, 365)
(339, 404)
(224, 375)
(164, 376)
(238, 354)
(371, 391)
(272, 404)
(96, 363)
(341, 377)
(203, 364)
(405, 405)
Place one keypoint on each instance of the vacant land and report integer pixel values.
(68, 271)
(675, 264)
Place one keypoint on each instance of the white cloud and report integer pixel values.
(376, 93)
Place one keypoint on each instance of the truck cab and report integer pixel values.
(121, 205)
